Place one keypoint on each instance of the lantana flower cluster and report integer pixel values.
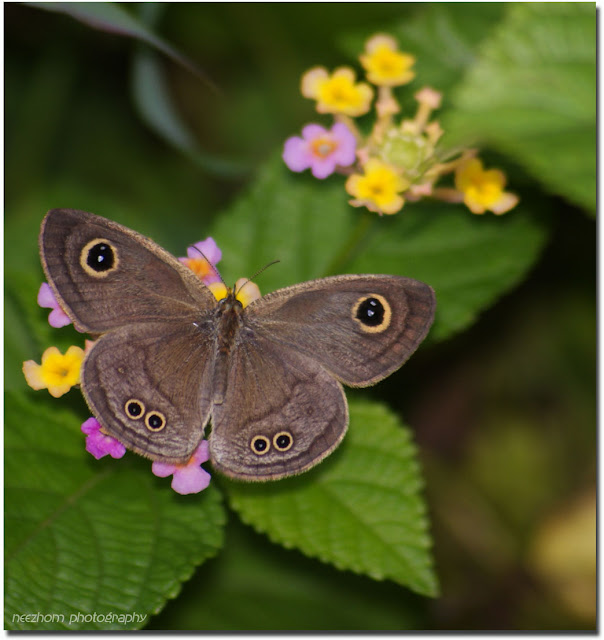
(400, 159)
(59, 372)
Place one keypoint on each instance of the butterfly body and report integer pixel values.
(269, 376)
(228, 322)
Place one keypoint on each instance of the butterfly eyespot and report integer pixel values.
(99, 258)
(283, 441)
(134, 409)
(155, 421)
(372, 313)
(260, 445)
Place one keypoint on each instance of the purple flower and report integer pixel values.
(98, 444)
(46, 298)
(201, 258)
(320, 150)
(190, 477)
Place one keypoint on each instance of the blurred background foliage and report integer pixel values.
(504, 413)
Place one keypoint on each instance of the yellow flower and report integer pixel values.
(337, 93)
(219, 289)
(483, 189)
(57, 373)
(247, 291)
(385, 65)
(378, 189)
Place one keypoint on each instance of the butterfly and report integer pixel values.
(170, 358)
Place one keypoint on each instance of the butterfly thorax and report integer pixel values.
(229, 314)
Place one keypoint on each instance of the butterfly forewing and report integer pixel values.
(360, 328)
(107, 276)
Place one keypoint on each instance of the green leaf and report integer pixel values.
(532, 95)
(232, 592)
(469, 260)
(18, 345)
(443, 37)
(361, 509)
(154, 102)
(91, 537)
(287, 217)
(110, 17)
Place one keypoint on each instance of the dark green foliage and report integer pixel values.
(500, 400)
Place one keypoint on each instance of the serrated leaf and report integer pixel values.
(359, 510)
(532, 95)
(91, 537)
(304, 594)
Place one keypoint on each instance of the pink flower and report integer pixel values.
(190, 477)
(201, 258)
(320, 150)
(46, 298)
(98, 444)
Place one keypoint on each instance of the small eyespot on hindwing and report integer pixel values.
(135, 409)
(155, 421)
(260, 445)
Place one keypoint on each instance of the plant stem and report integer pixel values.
(357, 235)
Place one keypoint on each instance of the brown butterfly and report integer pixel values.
(170, 357)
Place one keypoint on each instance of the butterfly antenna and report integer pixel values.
(266, 266)
(213, 266)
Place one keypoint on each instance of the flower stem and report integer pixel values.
(357, 235)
